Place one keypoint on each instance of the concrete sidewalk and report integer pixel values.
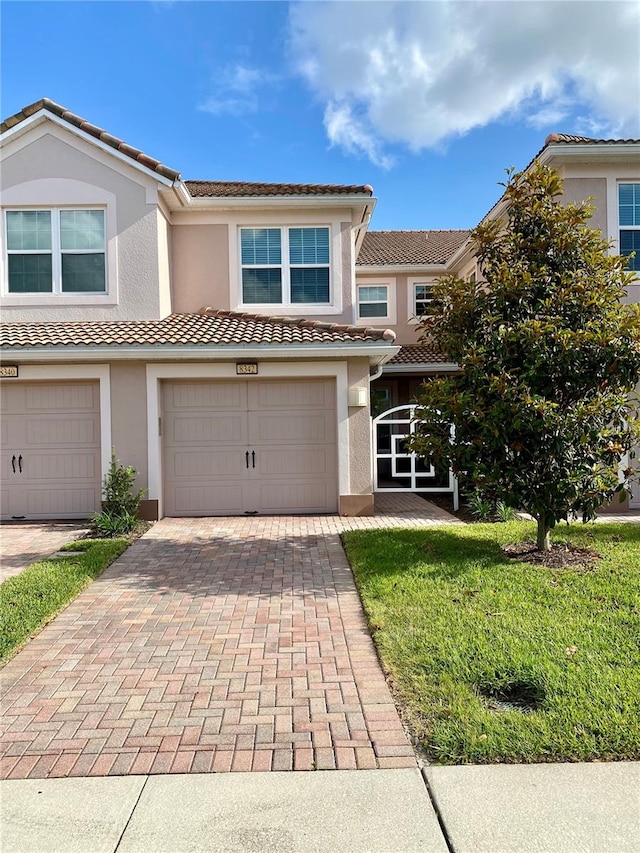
(542, 808)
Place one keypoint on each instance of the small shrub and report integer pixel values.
(480, 506)
(503, 512)
(112, 524)
(121, 503)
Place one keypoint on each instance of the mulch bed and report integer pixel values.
(562, 555)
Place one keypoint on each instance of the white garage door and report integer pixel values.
(50, 442)
(252, 446)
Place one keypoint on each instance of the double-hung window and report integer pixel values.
(55, 251)
(629, 222)
(373, 301)
(285, 266)
(422, 296)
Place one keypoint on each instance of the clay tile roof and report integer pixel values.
(570, 138)
(409, 247)
(236, 189)
(207, 328)
(419, 354)
(92, 130)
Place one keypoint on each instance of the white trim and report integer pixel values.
(412, 281)
(221, 370)
(62, 372)
(37, 118)
(391, 315)
(400, 269)
(427, 367)
(376, 353)
(62, 194)
(303, 309)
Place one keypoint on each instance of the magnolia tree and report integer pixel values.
(544, 403)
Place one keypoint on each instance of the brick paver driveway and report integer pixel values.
(210, 645)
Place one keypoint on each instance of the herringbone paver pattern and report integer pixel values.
(210, 645)
(23, 544)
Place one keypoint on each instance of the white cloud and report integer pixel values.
(237, 91)
(419, 73)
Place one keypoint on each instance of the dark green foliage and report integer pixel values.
(549, 357)
(121, 503)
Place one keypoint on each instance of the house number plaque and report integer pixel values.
(242, 369)
(10, 371)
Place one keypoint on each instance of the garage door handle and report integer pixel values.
(13, 463)
(246, 456)
(253, 458)
(20, 464)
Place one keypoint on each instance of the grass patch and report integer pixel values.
(496, 660)
(31, 599)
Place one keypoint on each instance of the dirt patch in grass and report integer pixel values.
(562, 555)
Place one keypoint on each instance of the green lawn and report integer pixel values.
(458, 625)
(29, 600)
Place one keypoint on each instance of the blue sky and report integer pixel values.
(428, 102)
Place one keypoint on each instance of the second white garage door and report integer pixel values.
(252, 446)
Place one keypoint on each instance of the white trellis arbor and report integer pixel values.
(395, 469)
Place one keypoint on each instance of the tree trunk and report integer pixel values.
(544, 534)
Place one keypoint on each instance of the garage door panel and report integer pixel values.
(201, 463)
(53, 431)
(292, 394)
(65, 398)
(288, 427)
(287, 462)
(62, 466)
(205, 395)
(292, 427)
(218, 499)
(296, 497)
(65, 502)
(61, 431)
(209, 428)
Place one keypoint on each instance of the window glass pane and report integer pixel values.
(423, 291)
(83, 273)
(372, 294)
(309, 245)
(373, 309)
(261, 286)
(310, 285)
(629, 204)
(260, 245)
(30, 274)
(630, 242)
(82, 229)
(28, 229)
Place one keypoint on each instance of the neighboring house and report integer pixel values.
(222, 337)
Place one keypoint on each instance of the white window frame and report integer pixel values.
(56, 253)
(621, 227)
(412, 283)
(285, 266)
(390, 316)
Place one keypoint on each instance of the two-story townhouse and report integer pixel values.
(202, 329)
(229, 340)
(396, 271)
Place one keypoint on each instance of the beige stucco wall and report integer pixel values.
(577, 190)
(406, 328)
(129, 416)
(200, 267)
(359, 432)
(55, 168)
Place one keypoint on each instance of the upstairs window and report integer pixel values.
(285, 266)
(422, 296)
(373, 301)
(629, 222)
(55, 251)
